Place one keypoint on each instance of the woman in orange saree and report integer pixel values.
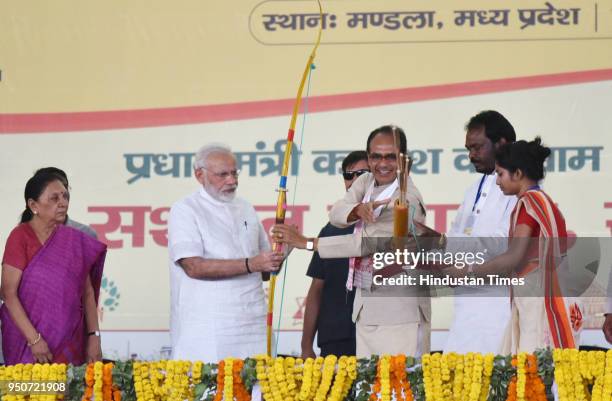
(541, 316)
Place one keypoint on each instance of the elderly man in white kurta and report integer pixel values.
(218, 250)
(479, 322)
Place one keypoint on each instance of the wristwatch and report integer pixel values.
(310, 244)
(94, 333)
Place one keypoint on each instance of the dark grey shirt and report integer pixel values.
(81, 227)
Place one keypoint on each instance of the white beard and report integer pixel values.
(220, 196)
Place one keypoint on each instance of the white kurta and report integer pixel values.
(479, 322)
(211, 319)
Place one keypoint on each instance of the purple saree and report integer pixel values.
(50, 291)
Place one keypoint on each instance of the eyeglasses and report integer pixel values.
(348, 175)
(224, 175)
(376, 157)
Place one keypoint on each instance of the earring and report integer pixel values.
(35, 212)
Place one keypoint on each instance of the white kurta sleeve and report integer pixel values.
(455, 228)
(340, 246)
(338, 215)
(504, 225)
(184, 238)
(264, 242)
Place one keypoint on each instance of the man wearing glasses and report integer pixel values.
(328, 306)
(388, 320)
(218, 250)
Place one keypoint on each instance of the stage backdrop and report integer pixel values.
(120, 95)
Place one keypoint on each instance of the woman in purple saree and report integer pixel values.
(51, 278)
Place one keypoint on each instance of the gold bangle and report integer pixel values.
(31, 344)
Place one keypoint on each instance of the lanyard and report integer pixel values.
(482, 180)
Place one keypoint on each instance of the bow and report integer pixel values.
(281, 203)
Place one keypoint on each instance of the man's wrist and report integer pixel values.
(353, 216)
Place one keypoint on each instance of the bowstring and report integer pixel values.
(295, 186)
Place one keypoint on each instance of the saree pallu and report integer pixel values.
(51, 290)
(541, 315)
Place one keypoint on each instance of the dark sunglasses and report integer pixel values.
(350, 174)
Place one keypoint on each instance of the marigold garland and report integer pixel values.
(289, 368)
(262, 377)
(377, 383)
(162, 380)
(458, 379)
(512, 390)
(486, 380)
(607, 378)
(329, 365)
(316, 377)
(579, 375)
(273, 378)
(391, 378)
(521, 376)
(351, 375)
(33, 372)
(220, 381)
(468, 364)
(304, 393)
(568, 375)
(580, 389)
(89, 382)
(97, 387)
(335, 394)
(239, 388)
(159, 384)
(436, 377)
(107, 382)
(477, 373)
(401, 385)
(385, 378)
(596, 364)
(228, 372)
(535, 389)
(446, 361)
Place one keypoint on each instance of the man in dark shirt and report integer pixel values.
(329, 305)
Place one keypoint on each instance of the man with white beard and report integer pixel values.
(218, 250)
